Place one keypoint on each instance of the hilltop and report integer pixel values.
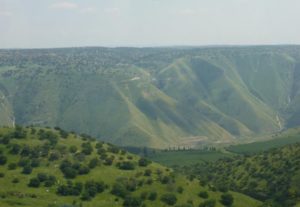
(155, 97)
(54, 168)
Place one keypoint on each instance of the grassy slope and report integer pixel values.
(19, 194)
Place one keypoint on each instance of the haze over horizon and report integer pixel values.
(75, 23)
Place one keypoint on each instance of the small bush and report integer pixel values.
(50, 181)
(12, 166)
(144, 195)
(143, 162)
(23, 162)
(35, 162)
(119, 189)
(169, 198)
(126, 165)
(147, 172)
(203, 194)
(152, 196)
(69, 173)
(15, 149)
(42, 177)
(3, 160)
(130, 201)
(15, 180)
(180, 189)
(34, 182)
(226, 199)
(27, 170)
(73, 149)
(93, 163)
(208, 203)
(87, 148)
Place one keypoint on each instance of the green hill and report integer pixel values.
(54, 168)
(271, 176)
(155, 97)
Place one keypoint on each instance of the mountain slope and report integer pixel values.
(157, 97)
(46, 167)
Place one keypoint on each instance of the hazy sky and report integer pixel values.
(60, 23)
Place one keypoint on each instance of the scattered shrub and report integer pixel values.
(130, 201)
(86, 148)
(119, 189)
(3, 160)
(203, 194)
(27, 169)
(50, 181)
(42, 177)
(15, 180)
(12, 166)
(35, 162)
(152, 196)
(73, 149)
(34, 182)
(15, 149)
(148, 172)
(169, 198)
(93, 163)
(226, 199)
(126, 165)
(208, 203)
(180, 189)
(143, 162)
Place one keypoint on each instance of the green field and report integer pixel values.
(281, 139)
(180, 158)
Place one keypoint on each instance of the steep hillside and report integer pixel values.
(53, 168)
(157, 97)
(272, 176)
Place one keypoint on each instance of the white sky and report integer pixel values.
(60, 23)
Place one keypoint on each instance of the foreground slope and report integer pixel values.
(46, 167)
(157, 97)
(272, 176)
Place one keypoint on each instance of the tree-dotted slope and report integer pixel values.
(47, 167)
